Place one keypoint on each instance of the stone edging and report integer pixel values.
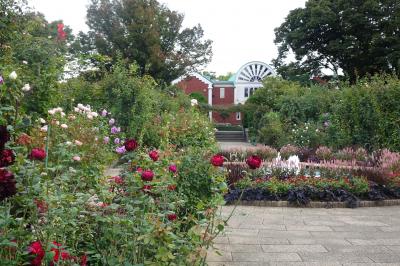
(319, 204)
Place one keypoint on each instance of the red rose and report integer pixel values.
(139, 170)
(147, 188)
(7, 184)
(154, 155)
(36, 249)
(147, 175)
(172, 168)
(6, 158)
(83, 260)
(171, 187)
(217, 160)
(172, 217)
(117, 179)
(59, 251)
(254, 162)
(37, 154)
(130, 145)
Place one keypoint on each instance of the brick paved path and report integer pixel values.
(316, 237)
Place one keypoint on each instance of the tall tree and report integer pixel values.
(359, 36)
(148, 33)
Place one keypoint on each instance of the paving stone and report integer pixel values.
(283, 234)
(238, 247)
(256, 240)
(385, 257)
(241, 232)
(277, 227)
(305, 264)
(371, 264)
(357, 249)
(375, 242)
(333, 257)
(221, 240)
(310, 228)
(293, 248)
(356, 228)
(394, 248)
(322, 241)
(264, 257)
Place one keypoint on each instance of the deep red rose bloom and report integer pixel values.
(117, 180)
(172, 217)
(254, 162)
(171, 187)
(6, 158)
(4, 136)
(147, 188)
(217, 160)
(36, 249)
(172, 168)
(147, 175)
(37, 154)
(7, 184)
(83, 260)
(139, 170)
(154, 155)
(130, 144)
(59, 251)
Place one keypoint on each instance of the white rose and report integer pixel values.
(42, 121)
(26, 87)
(64, 126)
(24, 62)
(194, 102)
(44, 128)
(13, 75)
(76, 109)
(90, 116)
(78, 143)
(62, 114)
(52, 111)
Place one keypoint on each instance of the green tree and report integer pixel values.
(359, 37)
(148, 33)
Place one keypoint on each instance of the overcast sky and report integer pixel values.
(241, 31)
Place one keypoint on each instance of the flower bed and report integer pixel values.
(57, 208)
(292, 182)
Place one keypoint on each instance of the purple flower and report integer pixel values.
(111, 122)
(1, 80)
(104, 113)
(117, 141)
(120, 150)
(115, 130)
(106, 140)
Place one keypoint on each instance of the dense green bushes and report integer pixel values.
(365, 114)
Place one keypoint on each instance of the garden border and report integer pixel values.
(318, 204)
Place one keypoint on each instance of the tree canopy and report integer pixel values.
(360, 37)
(148, 33)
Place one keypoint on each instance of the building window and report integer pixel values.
(238, 116)
(246, 92)
(251, 91)
(221, 93)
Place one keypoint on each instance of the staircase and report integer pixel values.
(230, 136)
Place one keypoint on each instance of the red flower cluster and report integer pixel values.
(37, 154)
(217, 160)
(61, 33)
(7, 184)
(147, 175)
(36, 249)
(172, 168)
(6, 158)
(172, 217)
(254, 162)
(147, 188)
(154, 155)
(131, 144)
(117, 180)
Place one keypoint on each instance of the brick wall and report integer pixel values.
(193, 84)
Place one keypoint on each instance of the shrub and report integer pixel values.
(323, 153)
(271, 130)
(288, 150)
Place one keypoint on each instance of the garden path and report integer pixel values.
(233, 145)
(305, 236)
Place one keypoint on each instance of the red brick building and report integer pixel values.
(224, 94)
